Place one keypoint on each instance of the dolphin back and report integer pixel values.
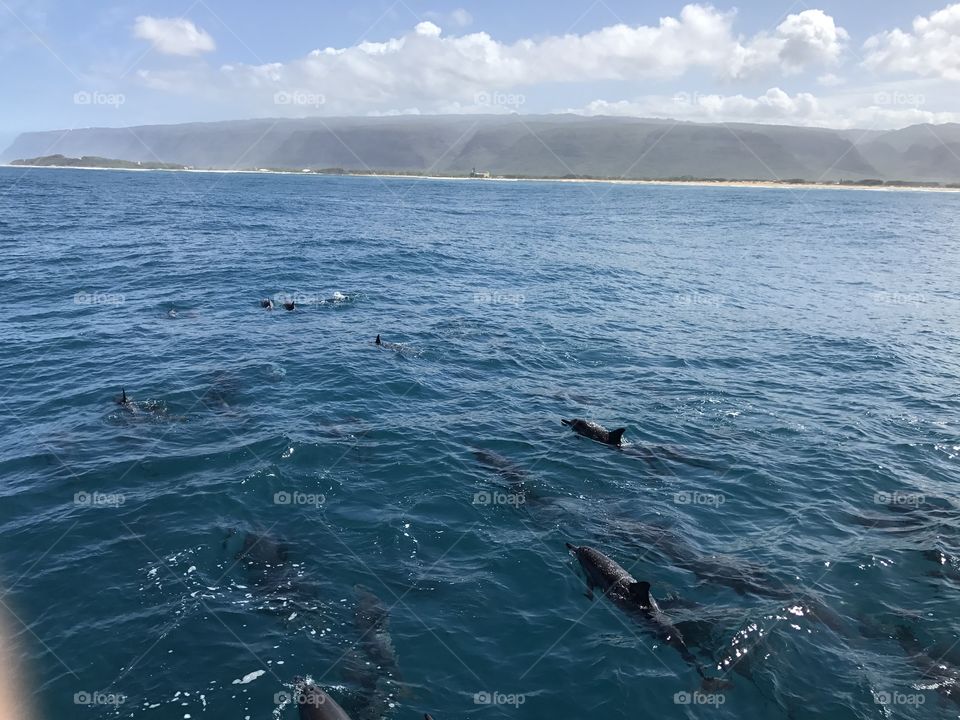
(595, 431)
(314, 704)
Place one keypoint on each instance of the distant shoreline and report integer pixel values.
(762, 184)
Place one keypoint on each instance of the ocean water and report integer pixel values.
(785, 362)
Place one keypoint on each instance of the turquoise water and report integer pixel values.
(785, 363)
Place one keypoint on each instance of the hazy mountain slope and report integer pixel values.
(926, 135)
(919, 152)
(829, 154)
(533, 145)
(616, 148)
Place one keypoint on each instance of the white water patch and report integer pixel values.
(249, 677)
(180, 573)
(336, 298)
(191, 702)
(287, 698)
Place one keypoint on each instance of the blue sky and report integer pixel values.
(834, 63)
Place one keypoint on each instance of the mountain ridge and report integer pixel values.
(531, 145)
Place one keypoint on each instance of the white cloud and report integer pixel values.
(810, 38)
(430, 70)
(428, 29)
(396, 113)
(461, 17)
(882, 110)
(173, 36)
(803, 41)
(182, 82)
(932, 49)
(775, 105)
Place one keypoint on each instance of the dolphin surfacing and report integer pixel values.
(610, 577)
(595, 431)
(314, 704)
(633, 596)
(397, 347)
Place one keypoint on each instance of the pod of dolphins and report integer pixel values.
(602, 573)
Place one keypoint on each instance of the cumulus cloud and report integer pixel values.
(880, 111)
(810, 38)
(931, 49)
(173, 36)
(775, 105)
(430, 69)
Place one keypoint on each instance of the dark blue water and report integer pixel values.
(785, 363)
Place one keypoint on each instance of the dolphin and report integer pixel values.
(153, 409)
(596, 432)
(376, 671)
(372, 620)
(742, 577)
(949, 567)
(633, 597)
(501, 465)
(276, 582)
(516, 477)
(266, 304)
(289, 305)
(264, 557)
(388, 345)
(314, 704)
(946, 678)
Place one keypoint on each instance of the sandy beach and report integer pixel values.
(760, 184)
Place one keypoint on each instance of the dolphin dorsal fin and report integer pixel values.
(123, 396)
(616, 436)
(377, 341)
(640, 591)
